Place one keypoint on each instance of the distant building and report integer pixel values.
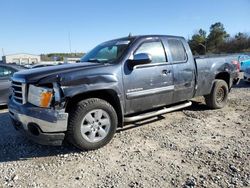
(71, 59)
(21, 59)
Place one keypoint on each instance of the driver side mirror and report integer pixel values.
(139, 59)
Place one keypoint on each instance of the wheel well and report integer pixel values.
(108, 95)
(224, 76)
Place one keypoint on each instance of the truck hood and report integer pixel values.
(52, 72)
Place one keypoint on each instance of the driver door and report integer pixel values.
(148, 86)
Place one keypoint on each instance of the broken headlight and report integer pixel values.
(40, 96)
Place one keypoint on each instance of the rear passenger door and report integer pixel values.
(183, 68)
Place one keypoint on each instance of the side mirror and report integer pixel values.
(140, 59)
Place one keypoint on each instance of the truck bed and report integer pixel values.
(205, 70)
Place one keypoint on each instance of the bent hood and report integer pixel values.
(52, 72)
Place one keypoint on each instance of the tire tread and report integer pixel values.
(210, 98)
(74, 114)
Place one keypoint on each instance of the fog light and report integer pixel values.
(33, 129)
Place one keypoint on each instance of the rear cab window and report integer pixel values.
(177, 50)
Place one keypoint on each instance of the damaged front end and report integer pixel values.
(38, 110)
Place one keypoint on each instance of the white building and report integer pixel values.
(22, 59)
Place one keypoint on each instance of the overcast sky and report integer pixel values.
(44, 26)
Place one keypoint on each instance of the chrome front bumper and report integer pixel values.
(50, 125)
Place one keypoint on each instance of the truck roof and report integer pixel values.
(147, 36)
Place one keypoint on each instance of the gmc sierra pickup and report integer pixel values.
(119, 81)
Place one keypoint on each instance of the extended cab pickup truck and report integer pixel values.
(119, 81)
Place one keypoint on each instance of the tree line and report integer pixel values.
(218, 41)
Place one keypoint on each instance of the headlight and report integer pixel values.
(40, 96)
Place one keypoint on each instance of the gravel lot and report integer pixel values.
(195, 147)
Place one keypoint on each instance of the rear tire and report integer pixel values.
(219, 95)
(92, 124)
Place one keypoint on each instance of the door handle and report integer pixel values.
(166, 71)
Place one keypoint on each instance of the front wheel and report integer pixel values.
(92, 124)
(219, 95)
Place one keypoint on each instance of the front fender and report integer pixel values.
(72, 88)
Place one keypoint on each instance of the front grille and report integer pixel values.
(19, 92)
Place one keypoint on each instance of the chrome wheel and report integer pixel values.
(95, 125)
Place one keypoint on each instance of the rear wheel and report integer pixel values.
(92, 124)
(218, 96)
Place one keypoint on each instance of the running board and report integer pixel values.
(157, 113)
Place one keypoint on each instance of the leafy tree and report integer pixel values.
(241, 36)
(239, 43)
(198, 42)
(216, 37)
(218, 41)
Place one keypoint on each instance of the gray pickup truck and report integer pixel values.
(119, 81)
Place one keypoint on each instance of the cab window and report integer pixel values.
(155, 49)
(177, 50)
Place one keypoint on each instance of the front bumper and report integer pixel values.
(43, 126)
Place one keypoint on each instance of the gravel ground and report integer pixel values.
(195, 147)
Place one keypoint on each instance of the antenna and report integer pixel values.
(130, 35)
(3, 51)
(69, 42)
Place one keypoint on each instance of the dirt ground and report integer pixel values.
(194, 147)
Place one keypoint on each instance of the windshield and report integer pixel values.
(107, 52)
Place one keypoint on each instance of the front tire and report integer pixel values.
(219, 95)
(92, 124)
